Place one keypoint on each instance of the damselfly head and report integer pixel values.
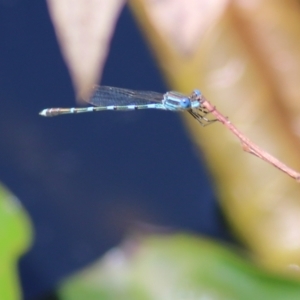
(196, 94)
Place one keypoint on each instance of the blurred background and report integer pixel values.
(88, 181)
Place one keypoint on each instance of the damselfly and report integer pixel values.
(113, 98)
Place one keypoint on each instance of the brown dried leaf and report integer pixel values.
(247, 63)
(84, 29)
(180, 22)
(273, 36)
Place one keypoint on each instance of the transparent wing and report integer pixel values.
(107, 95)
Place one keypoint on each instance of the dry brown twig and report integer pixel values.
(247, 145)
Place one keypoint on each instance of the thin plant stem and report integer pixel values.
(247, 145)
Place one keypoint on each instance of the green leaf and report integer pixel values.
(176, 267)
(15, 239)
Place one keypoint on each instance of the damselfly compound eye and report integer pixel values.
(197, 93)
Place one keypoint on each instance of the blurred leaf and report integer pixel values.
(182, 28)
(247, 62)
(15, 239)
(84, 29)
(176, 267)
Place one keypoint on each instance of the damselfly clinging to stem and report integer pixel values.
(113, 98)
